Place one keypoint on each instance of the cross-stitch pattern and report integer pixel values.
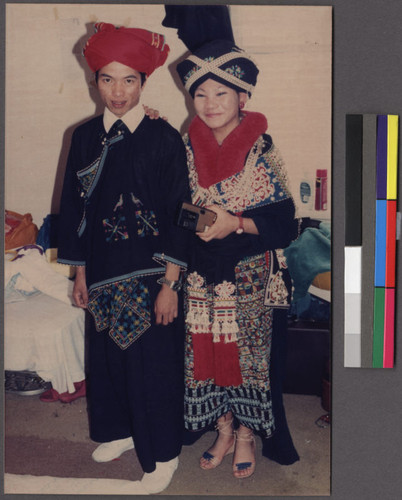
(123, 308)
(115, 228)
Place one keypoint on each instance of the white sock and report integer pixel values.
(159, 479)
(106, 452)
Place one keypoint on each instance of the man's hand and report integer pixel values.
(80, 291)
(166, 306)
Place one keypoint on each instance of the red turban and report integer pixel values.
(139, 49)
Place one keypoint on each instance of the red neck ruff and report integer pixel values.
(216, 162)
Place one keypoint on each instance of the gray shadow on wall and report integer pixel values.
(188, 100)
(66, 141)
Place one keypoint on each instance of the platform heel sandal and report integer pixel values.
(239, 467)
(210, 460)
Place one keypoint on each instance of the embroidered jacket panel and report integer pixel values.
(260, 192)
(119, 200)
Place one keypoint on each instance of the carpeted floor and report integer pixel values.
(50, 440)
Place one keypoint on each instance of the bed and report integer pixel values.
(43, 331)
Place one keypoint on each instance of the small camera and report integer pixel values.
(195, 218)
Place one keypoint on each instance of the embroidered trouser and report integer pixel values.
(250, 402)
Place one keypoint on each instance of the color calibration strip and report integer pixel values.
(369, 194)
(370, 239)
(353, 238)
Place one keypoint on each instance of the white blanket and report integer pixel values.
(45, 335)
(29, 272)
(43, 331)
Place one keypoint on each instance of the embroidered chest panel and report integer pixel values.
(89, 176)
(116, 226)
(262, 181)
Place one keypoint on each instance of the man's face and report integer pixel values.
(119, 87)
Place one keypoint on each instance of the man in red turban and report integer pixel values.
(134, 47)
(126, 175)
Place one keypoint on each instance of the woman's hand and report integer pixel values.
(166, 306)
(153, 113)
(225, 224)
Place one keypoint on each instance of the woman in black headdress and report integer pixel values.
(238, 286)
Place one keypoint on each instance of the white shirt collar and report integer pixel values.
(131, 119)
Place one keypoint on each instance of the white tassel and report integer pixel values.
(230, 329)
(226, 326)
(216, 327)
(233, 337)
(204, 317)
(190, 318)
(216, 330)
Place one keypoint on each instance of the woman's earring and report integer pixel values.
(241, 105)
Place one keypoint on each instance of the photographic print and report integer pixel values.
(270, 285)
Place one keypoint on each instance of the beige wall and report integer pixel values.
(49, 90)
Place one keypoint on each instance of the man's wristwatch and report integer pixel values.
(240, 229)
(174, 285)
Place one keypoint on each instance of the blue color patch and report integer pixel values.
(380, 242)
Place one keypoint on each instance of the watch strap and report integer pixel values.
(174, 285)
(240, 228)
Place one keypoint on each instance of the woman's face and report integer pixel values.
(218, 107)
